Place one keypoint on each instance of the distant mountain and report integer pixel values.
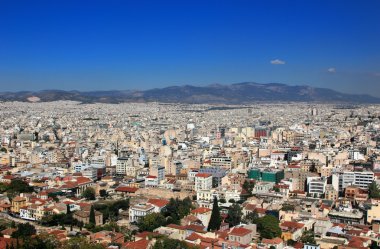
(239, 93)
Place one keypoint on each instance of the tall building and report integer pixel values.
(361, 179)
(316, 185)
(203, 181)
(124, 166)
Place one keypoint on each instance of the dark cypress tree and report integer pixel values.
(68, 211)
(92, 216)
(215, 219)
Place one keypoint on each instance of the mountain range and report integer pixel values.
(239, 93)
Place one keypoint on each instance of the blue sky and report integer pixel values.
(103, 45)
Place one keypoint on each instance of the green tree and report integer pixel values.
(103, 193)
(151, 222)
(215, 219)
(287, 207)
(68, 211)
(308, 237)
(251, 217)
(177, 209)
(234, 215)
(374, 191)
(80, 242)
(167, 243)
(24, 230)
(92, 216)
(374, 245)
(248, 186)
(268, 227)
(89, 194)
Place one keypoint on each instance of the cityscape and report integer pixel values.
(189, 124)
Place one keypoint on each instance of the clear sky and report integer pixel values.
(104, 45)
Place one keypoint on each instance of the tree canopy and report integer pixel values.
(215, 219)
(374, 191)
(167, 243)
(151, 222)
(308, 237)
(89, 194)
(24, 231)
(177, 209)
(268, 227)
(234, 215)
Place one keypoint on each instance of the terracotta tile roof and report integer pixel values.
(200, 210)
(175, 226)
(196, 228)
(193, 237)
(140, 244)
(274, 241)
(83, 180)
(203, 175)
(240, 231)
(126, 189)
(158, 202)
(292, 224)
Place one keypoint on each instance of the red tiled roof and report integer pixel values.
(175, 226)
(240, 231)
(200, 210)
(83, 180)
(137, 244)
(126, 189)
(292, 224)
(274, 241)
(158, 202)
(203, 175)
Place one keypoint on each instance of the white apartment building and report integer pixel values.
(361, 179)
(203, 181)
(316, 185)
(158, 171)
(138, 211)
(125, 166)
(224, 162)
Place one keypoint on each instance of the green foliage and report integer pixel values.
(251, 217)
(374, 191)
(103, 193)
(151, 222)
(92, 215)
(166, 243)
(291, 242)
(287, 207)
(112, 226)
(308, 237)
(248, 186)
(215, 219)
(234, 215)
(177, 209)
(110, 210)
(374, 245)
(3, 149)
(24, 231)
(80, 242)
(89, 194)
(268, 227)
(16, 187)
